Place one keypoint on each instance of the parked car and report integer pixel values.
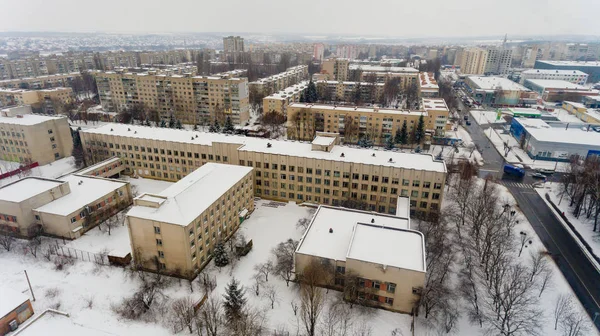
(538, 175)
(468, 122)
(545, 171)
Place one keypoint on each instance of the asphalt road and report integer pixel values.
(579, 272)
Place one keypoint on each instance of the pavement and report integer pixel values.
(579, 272)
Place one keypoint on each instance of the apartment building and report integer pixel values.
(590, 68)
(498, 61)
(233, 44)
(59, 80)
(280, 81)
(305, 120)
(318, 51)
(65, 207)
(335, 69)
(571, 76)
(29, 138)
(558, 91)
(344, 91)
(381, 251)
(279, 101)
(191, 99)
(44, 100)
(407, 76)
(322, 171)
(499, 91)
(428, 86)
(472, 61)
(176, 230)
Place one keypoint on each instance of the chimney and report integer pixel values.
(372, 220)
(373, 155)
(330, 230)
(342, 155)
(269, 145)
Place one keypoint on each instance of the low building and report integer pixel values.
(15, 308)
(29, 138)
(587, 115)
(590, 68)
(555, 141)
(289, 170)
(279, 101)
(111, 168)
(558, 90)
(428, 86)
(592, 101)
(64, 207)
(386, 256)
(175, 231)
(498, 91)
(571, 76)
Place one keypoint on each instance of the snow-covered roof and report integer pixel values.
(28, 119)
(434, 104)
(287, 92)
(556, 84)
(573, 134)
(323, 140)
(81, 194)
(388, 246)
(552, 71)
(26, 188)
(185, 200)
(572, 63)
(282, 147)
(379, 68)
(50, 323)
(101, 164)
(575, 104)
(9, 300)
(356, 109)
(427, 81)
(318, 241)
(493, 83)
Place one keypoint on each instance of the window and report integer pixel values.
(389, 301)
(157, 230)
(341, 269)
(394, 191)
(437, 186)
(414, 193)
(426, 185)
(73, 220)
(50, 131)
(425, 194)
(391, 287)
(416, 291)
(365, 177)
(416, 183)
(361, 282)
(161, 254)
(162, 266)
(159, 242)
(435, 196)
(423, 205)
(37, 217)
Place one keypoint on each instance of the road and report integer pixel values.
(579, 272)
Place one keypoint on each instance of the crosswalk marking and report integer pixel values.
(518, 185)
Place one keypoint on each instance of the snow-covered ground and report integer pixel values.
(466, 150)
(582, 224)
(483, 117)
(51, 170)
(548, 299)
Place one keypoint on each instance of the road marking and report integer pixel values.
(489, 170)
(558, 247)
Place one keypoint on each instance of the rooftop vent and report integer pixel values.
(128, 129)
(192, 138)
(390, 160)
(373, 155)
(80, 182)
(196, 136)
(269, 145)
(330, 230)
(372, 220)
(111, 129)
(342, 155)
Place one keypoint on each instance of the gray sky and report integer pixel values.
(405, 18)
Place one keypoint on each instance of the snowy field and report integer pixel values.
(483, 117)
(582, 224)
(466, 150)
(51, 170)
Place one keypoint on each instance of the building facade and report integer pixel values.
(499, 91)
(29, 138)
(590, 68)
(45, 100)
(557, 90)
(472, 61)
(233, 44)
(571, 76)
(284, 170)
(281, 81)
(175, 231)
(191, 99)
(498, 61)
(279, 101)
(335, 68)
(41, 82)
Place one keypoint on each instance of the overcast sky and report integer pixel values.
(403, 18)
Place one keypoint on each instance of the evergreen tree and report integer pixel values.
(403, 137)
(311, 93)
(195, 127)
(171, 121)
(389, 142)
(228, 126)
(220, 255)
(302, 98)
(397, 138)
(420, 130)
(212, 128)
(216, 127)
(235, 300)
(163, 123)
(178, 124)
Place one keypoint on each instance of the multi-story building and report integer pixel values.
(176, 231)
(280, 81)
(348, 51)
(557, 90)
(335, 68)
(472, 61)
(428, 86)
(279, 101)
(191, 99)
(32, 138)
(498, 61)
(590, 68)
(499, 91)
(318, 51)
(65, 207)
(41, 82)
(345, 91)
(233, 44)
(377, 124)
(322, 171)
(380, 252)
(44, 100)
(571, 76)
(406, 76)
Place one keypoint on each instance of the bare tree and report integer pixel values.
(113, 222)
(33, 246)
(184, 313)
(302, 224)
(284, 259)
(211, 315)
(258, 283)
(337, 320)
(7, 240)
(312, 296)
(539, 263)
(575, 323)
(270, 294)
(562, 307)
(546, 279)
(265, 269)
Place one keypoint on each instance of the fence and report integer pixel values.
(18, 170)
(70, 252)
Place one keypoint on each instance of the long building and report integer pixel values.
(41, 82)
(499, 91)
(571, 76)
(321, 172)
(280, 81)
(590, 68)
(29, 138)
(558, 90)
(377, 124)
(176, 230)
(191, 99)
(45, 100)
(279, 101)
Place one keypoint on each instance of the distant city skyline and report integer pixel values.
(385, 18)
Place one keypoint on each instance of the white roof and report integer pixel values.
(492, 83)
(287, 92)
(98, 165)
(434, 104)
(572, 63)
(317, 241)
(427, 81)
(26, 188)
(92, 189)
(323, 141)
(575, 104)
(574, 134)
(556, 84)
(282, 147)
(28, 119)
(552, 71)
(192, 195)
(388, 247)
(9, 300)
(379, 68)
(356, 109)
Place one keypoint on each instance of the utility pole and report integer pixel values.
(29, 283)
